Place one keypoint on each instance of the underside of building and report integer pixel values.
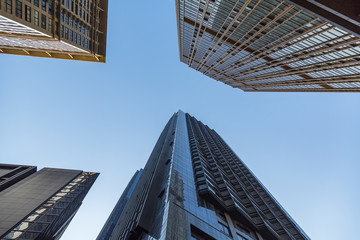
(272, 45)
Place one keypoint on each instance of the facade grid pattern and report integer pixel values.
(266, 45)
(50, 219)
(222, 178)
(67, 29)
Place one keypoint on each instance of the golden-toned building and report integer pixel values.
(66, 29)
(273, 45)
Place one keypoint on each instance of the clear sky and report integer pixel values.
(304, 147)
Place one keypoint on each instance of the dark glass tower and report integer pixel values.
(40, 205)
(115, 214)
(195, 187)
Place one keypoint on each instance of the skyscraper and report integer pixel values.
(195, 187)
(119, 207)
(66, 29)
(273, 45)
(40, 205)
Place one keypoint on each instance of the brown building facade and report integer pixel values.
(66, 29)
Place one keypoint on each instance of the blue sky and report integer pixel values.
(304, 147)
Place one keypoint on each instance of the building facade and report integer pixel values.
(195, 187)
(40, 204)
(66, 29)
(110, 224)
(273, 45)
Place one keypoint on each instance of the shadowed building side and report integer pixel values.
(41, 205)
(110, 224)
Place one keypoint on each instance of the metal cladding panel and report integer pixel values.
(19, 200)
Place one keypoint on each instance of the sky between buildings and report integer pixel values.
(304, 147)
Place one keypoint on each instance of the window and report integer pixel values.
(66, 33)
(71, 35)
(43, 5)
(43, 21)
(224, 228)
(50, 24)
(36, 3)
(8, 6)
(36, 18)
(67, 3)
(50, 6)
(62, 31)
(197, 234)
(27, 13)
(75, 37)
(18, 8)
(56, 28)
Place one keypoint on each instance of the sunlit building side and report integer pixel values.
(66, 29)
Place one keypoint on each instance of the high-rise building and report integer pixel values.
(40, 205)
(273, 45)
(119, 207)
(195, 187)
(66, 29)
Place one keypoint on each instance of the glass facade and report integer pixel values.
(195, 187)
(266, 45)
(40, 205)
(115, 214)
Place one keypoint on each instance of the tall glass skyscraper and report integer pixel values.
(195, 187)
